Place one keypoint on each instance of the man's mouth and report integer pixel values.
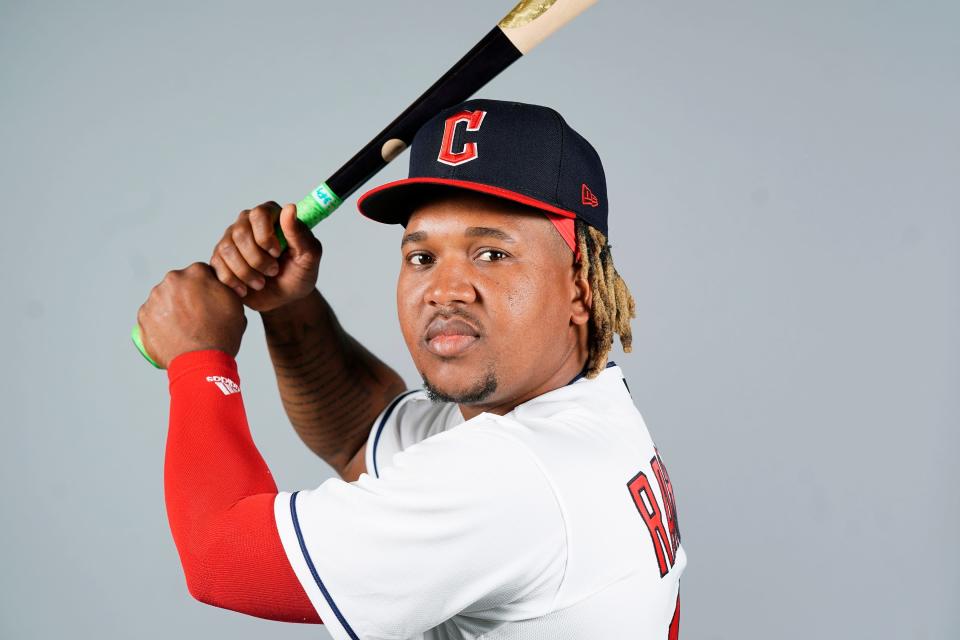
(447, 337)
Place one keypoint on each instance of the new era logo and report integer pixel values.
(226, 385)
(587, 197)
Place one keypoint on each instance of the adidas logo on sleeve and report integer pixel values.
(226, 385)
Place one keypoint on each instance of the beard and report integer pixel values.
(480, 391)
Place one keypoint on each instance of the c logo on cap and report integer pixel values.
(473, 119)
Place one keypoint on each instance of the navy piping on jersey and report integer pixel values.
(583, 373)
(313, 569)
(383, 421)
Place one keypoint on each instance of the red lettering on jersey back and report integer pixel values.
(669, 503)
(664, 535)
(674, 633)
(646, 503)
(469, 151)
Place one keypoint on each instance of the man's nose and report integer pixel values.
(450, 283)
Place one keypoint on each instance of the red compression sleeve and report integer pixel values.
(220, 495)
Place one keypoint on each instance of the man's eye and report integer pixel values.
(492, 255)
(420, 259)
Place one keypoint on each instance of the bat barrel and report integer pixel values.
(533, 21)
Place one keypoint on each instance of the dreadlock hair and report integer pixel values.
(613, 307)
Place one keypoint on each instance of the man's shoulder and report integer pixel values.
(416, 404)
(601, 399)
(484, 432)
(564, 419)
(416, 417)
(408, 419)
(482, 458)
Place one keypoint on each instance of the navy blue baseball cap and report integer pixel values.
(520, 152)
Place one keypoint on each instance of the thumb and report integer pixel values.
(299, 237)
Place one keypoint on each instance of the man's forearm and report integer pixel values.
(220, 496)
(332, 387)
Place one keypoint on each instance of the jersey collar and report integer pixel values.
(583, 373)
(599, 394)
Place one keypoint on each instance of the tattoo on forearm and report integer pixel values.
(331, 387)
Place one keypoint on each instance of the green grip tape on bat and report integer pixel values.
(138, 342)
(321, 202)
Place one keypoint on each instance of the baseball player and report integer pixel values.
(517, 495)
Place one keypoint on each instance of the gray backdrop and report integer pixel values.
(785, 200)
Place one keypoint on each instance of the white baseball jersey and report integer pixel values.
(554, 521)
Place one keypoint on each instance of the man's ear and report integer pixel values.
(582, 301)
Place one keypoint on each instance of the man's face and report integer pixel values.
(488, 301)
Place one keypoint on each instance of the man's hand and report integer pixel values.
(247, 259)
(190, 310)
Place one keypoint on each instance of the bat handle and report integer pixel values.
(321, 202)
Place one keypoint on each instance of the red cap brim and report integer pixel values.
(392, 203)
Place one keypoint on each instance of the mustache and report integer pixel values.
(447, 313)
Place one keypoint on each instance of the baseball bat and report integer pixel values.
(523, 28)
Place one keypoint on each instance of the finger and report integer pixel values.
(252, 253)
(226, 276)
(299, 237)
(198, 270)
(232, 257)
(262, 221)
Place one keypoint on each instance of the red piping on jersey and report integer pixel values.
(220, 497)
